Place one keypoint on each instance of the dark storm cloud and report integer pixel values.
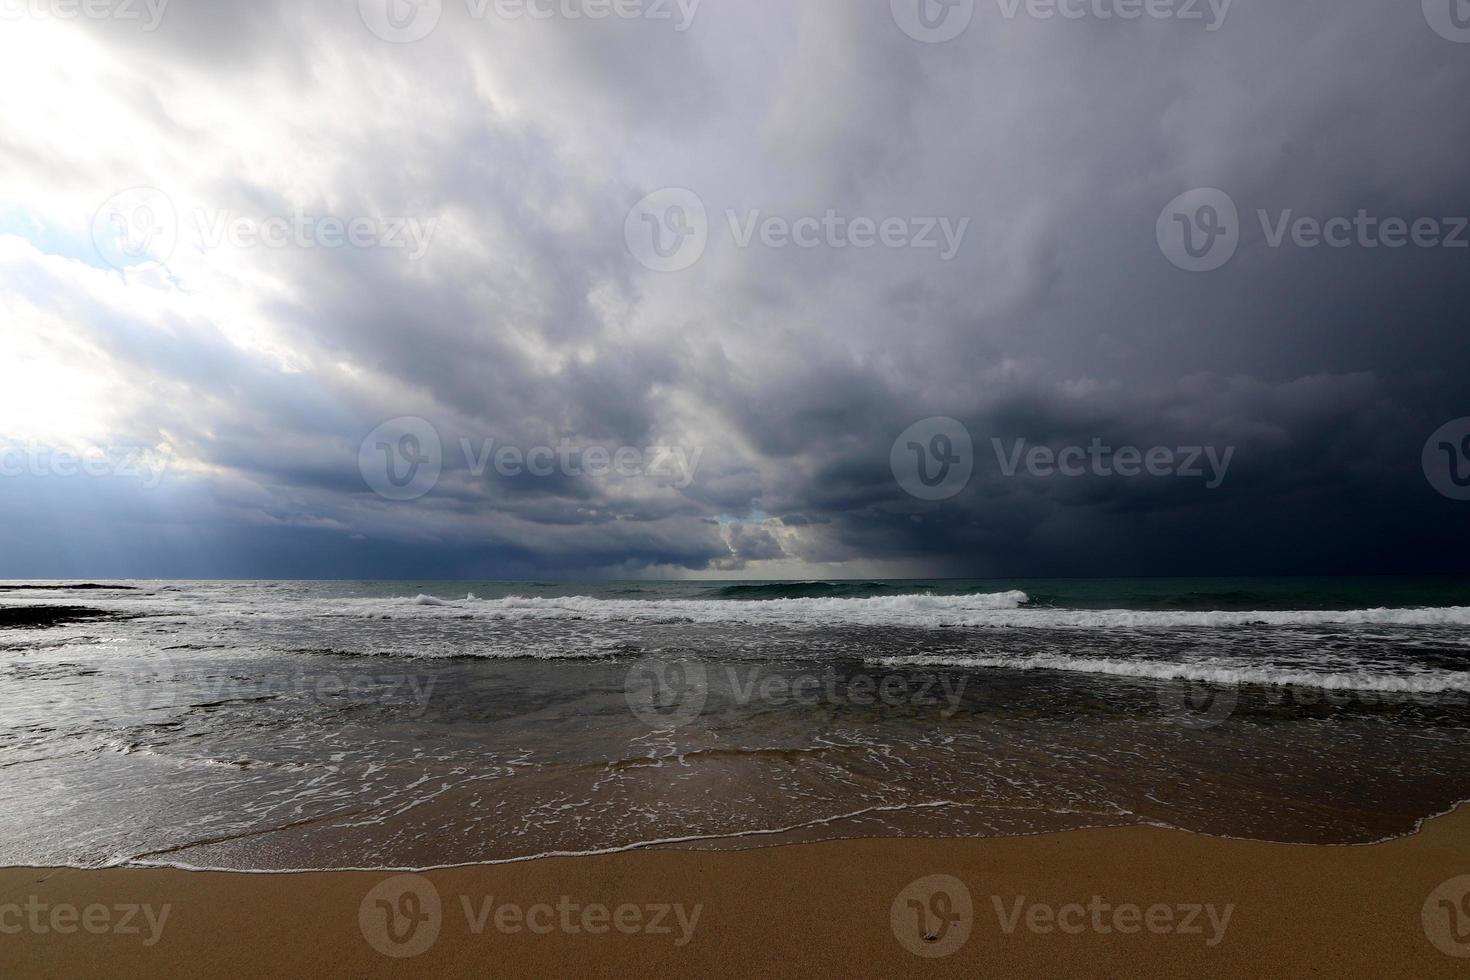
(1323, 472)
(791, 371)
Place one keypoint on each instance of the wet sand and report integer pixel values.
(1124, 902)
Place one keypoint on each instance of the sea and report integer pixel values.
(290, 726)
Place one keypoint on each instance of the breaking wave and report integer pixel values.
(1424, 682)
(998, 609)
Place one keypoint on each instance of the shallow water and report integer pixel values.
(279, 726)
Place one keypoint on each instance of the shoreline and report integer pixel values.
(1128, 901)
(676, 844)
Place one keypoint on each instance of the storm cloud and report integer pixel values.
(667, 285)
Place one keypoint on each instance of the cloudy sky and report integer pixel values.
(300, 289)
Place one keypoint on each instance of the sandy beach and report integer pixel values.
(922, 809)
(656, 488)
(1132, 902)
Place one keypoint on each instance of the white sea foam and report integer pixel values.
(999, 609)
(901, 610)
(1423, 682)
(919, 610)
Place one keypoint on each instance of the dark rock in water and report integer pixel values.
(40, 617)
(83, 587)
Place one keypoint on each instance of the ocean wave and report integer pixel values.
(805, 590)
(912, 609)
(999, 609)
(900, 610)
(1427, 682)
